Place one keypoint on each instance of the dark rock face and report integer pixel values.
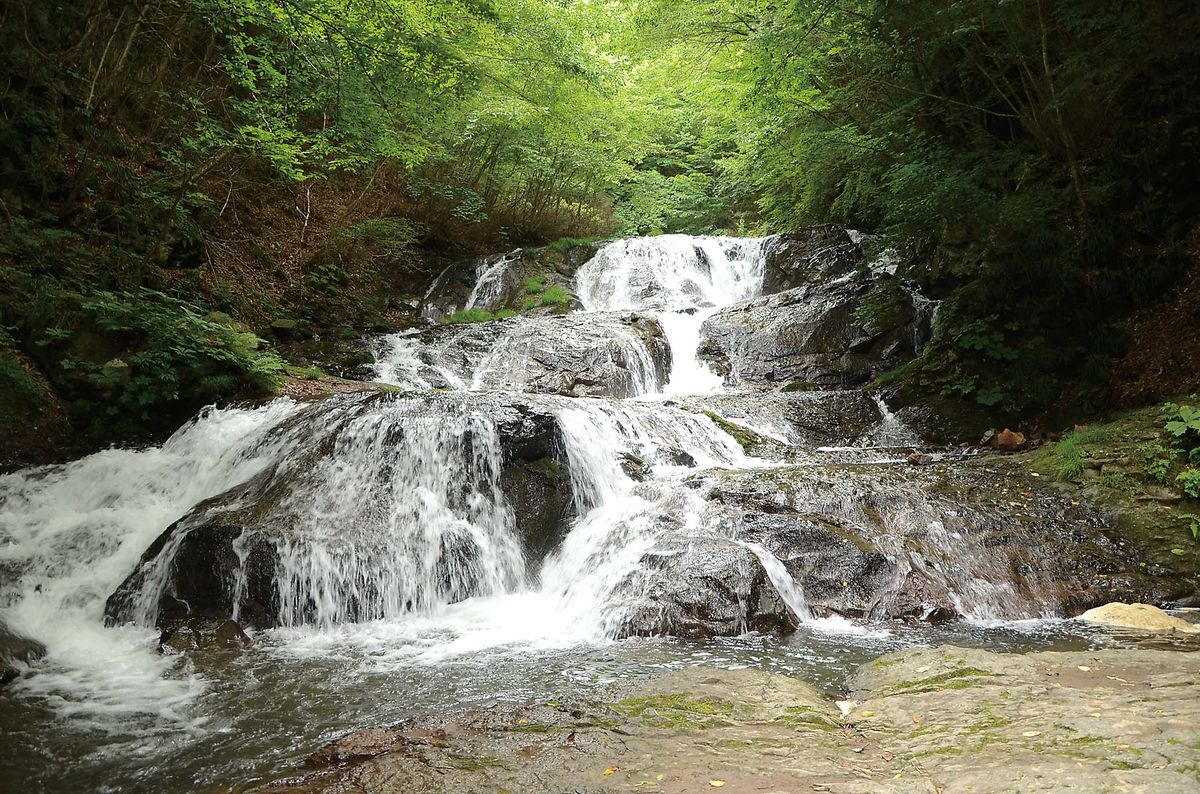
(599, 355)
(810, 337)
(808, 256)
(701, 587)
(225, 558)
(16, 651)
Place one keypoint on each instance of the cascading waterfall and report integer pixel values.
(397, 515)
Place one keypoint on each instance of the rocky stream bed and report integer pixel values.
(502, 539)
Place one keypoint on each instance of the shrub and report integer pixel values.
(173, 357)
(535, 284)
(1189, 481)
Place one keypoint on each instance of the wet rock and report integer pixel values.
(202, 634)
(296, 540)
(16, 653)
(899, 541)
(924, 719)
(807, 256)
(1008, 440)
(539, 491)
(919, 459)
(804, 419)
(515, 281)
(701, 587)
(1138, 616)
(635, 468)
(813, 336)
(595, 355)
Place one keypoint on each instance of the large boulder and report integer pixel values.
(808, 256)
(16, 653)
(1142, 617)
(699, 587)
(354, 525)
(832, 334)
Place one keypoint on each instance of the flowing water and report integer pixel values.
(403, 586)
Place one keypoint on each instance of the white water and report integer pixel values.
(401, 542)
(681, 281)
(70, 534)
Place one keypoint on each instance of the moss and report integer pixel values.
(677, 710)
(746, 438)
(470, 316)
(806, 718)
(954, 679)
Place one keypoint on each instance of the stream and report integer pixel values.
(541, 495)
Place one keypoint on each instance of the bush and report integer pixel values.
(172, 359)
(1189, 481)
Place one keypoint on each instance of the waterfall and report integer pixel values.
(682, 281)
(404, 509)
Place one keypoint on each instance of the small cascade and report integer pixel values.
(682, 281)
(787, 587)
(381, 508)
(489, 279)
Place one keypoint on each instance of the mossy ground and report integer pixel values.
(1128, 464)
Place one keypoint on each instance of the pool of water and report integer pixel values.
(220, 720)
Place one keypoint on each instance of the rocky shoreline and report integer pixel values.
(941, 719)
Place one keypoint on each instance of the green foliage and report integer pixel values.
(1155, 460)
(1183, 423)
(174, 360)
(1189, 481)
(534, 285)
(564, 244)
(1193, 524)
(467, 316)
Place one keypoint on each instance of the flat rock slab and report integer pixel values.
(924, 720)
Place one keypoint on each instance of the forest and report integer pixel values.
(180, 174)
(599, 395)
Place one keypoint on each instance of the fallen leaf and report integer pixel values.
(612, 770)
(716, 783)
(916, 720)
(888, 757)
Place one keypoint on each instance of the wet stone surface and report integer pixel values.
(932, 720)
